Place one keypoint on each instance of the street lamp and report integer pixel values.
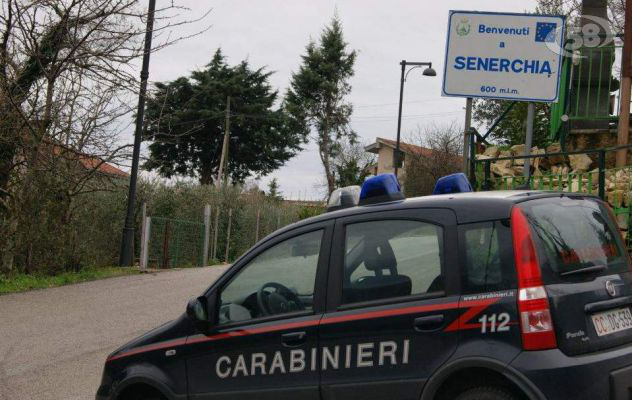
(428, 71)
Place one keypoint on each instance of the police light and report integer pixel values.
(455, 183)
(381, 188)
(343, 198)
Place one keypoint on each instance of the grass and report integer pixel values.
(14, 283)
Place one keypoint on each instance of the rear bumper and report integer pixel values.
(602, 375)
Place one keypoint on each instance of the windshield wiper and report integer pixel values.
(585, 270)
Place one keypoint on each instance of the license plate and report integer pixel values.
(612, 321)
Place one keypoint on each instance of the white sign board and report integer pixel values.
(503, 56)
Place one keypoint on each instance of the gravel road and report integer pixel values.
(53, 342)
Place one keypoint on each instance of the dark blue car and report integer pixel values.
(473, 296)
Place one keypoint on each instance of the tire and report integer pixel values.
(486, 393)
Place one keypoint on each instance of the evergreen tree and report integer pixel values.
(316, 97)
(186, 122)
(273, 189)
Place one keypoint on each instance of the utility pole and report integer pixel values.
(126, 257)
(623, 131)
(224, 158)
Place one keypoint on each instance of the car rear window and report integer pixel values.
(573, 234)
(488, 257)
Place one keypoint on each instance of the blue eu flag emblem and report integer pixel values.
(545, 31)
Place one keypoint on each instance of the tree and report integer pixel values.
(273, 189)
(66, 75)
(186, 123)
(316, 97)
(350, 165)
(511, 130)
(443, 158)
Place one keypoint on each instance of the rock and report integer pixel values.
(580, 162)
(518, 169)
(622, 221)
(517, 149)
(491, 152)
(499, 170)
(565, 170)
(540, 162)
(615, 198)
(555, 148)
(505, 163)
(483, 157)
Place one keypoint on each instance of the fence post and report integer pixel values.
(230, 218)
(215, 229)
(602, 174)
(207, 233)
(143, 234)
(257, 229)
(144, 250)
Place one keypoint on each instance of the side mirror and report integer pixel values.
(201, 311)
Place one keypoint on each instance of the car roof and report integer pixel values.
(468, 207)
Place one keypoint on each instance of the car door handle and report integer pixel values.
(293, 339)
(429, 323)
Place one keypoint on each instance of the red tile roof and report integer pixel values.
(92, 162)
(407, 147)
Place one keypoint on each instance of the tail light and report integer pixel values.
(536, 321)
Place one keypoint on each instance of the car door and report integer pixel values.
(392, 294)
(269, 305)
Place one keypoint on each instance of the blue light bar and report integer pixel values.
(381, 188)
(455, 183)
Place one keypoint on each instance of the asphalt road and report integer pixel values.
(53, 342)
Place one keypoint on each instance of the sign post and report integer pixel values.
(506, 57)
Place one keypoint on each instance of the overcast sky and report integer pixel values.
(273, 33)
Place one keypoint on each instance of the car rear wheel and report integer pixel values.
(486, 393)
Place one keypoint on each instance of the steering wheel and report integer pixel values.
(279, 301)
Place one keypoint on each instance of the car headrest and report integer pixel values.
(379, 256)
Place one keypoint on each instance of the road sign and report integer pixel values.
(503, 56)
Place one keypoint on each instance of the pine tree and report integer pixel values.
(273, 189)
(186, 117)
(316, 97)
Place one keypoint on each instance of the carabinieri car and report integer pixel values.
(504, 295)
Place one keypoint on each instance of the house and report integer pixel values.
(385, 150)
(88, 163)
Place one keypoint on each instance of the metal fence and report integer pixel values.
(220, 235)
(613, 185)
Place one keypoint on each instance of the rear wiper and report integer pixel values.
(585, 270)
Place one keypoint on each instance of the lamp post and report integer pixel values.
(126, 258)
(428, 71)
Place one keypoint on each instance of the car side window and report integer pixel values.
(391, 258)
(488, 262)
(280, 280)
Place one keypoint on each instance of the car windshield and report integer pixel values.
(575, 234)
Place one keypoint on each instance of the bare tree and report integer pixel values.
(440, 155)
(66, 77)
(351, 163)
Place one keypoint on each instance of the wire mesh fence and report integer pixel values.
(220, 230)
